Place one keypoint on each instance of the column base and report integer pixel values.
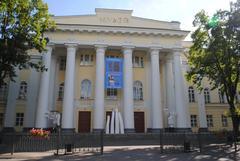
(68, 130)
(170, 129)
(8, 129)
(155, 130)
(203, 129)
(97, 130)
(183, 129)
(129, 131)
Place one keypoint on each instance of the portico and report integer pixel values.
(75, 59)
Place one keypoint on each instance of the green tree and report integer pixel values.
(215, 54)
(22, 27)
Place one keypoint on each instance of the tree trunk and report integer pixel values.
(235, 123)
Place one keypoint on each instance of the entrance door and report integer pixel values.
(139, 122)
(84, 121)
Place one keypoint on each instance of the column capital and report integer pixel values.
(155, 48)
(100, 46)
(127, 49)
(71, 45)
(178, 50)
(50, 47)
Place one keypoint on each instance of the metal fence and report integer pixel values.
(63, 143)
(187, 142)
(94, 142)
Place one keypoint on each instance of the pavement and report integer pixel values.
(129, 153)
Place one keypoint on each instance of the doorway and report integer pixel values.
(139, 122)
(84, 121)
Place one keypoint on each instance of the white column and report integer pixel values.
(157, 116)
(68, 99)
(201, 111)
(10, 113)
(42, 106)
(128, 90)
(32, 96)
(99, 89)
(183, 120)
(52, 83)
(170, 88)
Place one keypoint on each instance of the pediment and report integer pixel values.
(117, 18)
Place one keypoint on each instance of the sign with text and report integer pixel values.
(113, 73)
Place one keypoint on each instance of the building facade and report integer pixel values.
(154, 95)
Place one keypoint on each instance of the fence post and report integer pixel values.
(13, 146)
(101, 141)
(161, 142)
(199, 142)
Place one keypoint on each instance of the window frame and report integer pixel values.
(194, 122)
(224, 121)
(138, 61)
(111, 93)
(209, 121)
(62, 63)
(138, 90)
(23, 89)
(61, 91)
(19, 119)
(4, 91)
(191, 94)
(86, 84)
(86, 59)
(207, 98)
(221, 97)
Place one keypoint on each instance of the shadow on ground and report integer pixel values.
(137, 154)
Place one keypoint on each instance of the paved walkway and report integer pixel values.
(129, 153)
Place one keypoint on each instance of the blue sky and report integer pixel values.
(167, 10)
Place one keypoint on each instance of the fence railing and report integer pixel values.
(72, 142)
(95, 142)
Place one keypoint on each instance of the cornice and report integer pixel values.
(121, 30)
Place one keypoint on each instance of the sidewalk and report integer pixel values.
(127, 153)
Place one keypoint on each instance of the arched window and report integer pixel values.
(23, 90)
(191, 95)
(221, 96)
(85, 89)
(3, 91)
(61, 91)
(138, 90)
(206, 95)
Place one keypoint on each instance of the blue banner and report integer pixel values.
(113, 73)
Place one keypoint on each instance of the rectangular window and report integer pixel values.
(86, 59)
(112, 93)
(224, 121)
(62, 65)
(138, 61)
(1, 119)
(193, 120)
(209, 120)
(19, 119)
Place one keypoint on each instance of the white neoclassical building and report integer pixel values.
(153, 95)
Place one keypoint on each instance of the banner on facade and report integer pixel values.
(113, 73)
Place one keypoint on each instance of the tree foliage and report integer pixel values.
(22, 27)
(215, 53)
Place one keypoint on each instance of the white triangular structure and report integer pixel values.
(121, 123)
(116, 121)
(107, 125)
(112, 122)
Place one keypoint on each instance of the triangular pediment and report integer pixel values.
(115, 17)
